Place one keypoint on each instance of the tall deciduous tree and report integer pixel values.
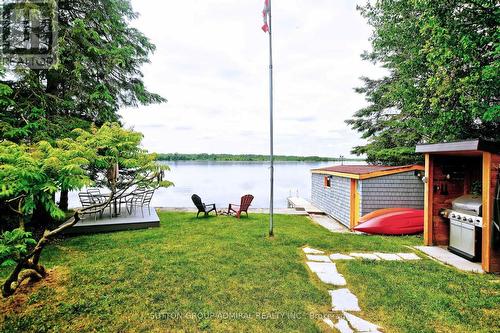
(32, 174)
(443, 64)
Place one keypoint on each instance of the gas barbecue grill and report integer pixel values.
(465, 227)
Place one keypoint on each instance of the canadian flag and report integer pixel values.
(265, 13)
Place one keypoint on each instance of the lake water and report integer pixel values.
(224, 182)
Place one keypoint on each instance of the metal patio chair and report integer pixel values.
(87, 200)
(95, 192)
(140, 199)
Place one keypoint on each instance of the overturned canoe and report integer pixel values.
(407, 222)
(379, 212)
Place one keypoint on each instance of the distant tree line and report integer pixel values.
(246, 158)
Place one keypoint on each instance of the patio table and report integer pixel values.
(106, 196)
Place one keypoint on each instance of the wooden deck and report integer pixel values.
(123, 222)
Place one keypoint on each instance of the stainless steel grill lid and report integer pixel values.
(470, 203)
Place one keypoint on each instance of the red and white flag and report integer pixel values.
(265, 13)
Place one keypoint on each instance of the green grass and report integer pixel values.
(157, 280)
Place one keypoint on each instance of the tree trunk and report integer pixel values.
(29, 267)
(63, 201)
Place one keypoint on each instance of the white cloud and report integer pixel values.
(211, 64)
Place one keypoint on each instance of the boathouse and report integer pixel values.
(350, 191)
(462, 199)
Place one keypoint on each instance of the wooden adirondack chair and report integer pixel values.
(246, 200)
(203, 208)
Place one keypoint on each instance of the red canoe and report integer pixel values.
(379, 212)
(407, 222)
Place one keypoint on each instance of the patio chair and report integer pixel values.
(246, 200)
(140, 199)
(95, 192)
(203, 208)
(146, 200)
(87, 200)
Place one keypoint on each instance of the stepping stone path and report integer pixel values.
(409, 256)
(327, 273)
(388, 256)
(342, 326)
(338, 256)
(361, 325)
(308, 250)
(343, 299)
(376, 256)
(370, 256)
(312, 257)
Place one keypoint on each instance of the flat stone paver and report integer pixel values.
(361, 325)
(344, 300)
(388, 256)
(339, 256)
(369, 256)
(409, 256)
(335, 279)
(320, 258)
(445, 256)
(329, 322)
(308, 250)
(327, 273)
(322, 267)
(329, 223)
(343, 326)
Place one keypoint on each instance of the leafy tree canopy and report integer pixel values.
(118, 156)
(32, 174)
(442, 59)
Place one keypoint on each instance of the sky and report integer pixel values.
(212, 65)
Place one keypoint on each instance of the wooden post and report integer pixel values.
(487, 210)
(353, 219)
(428, 201)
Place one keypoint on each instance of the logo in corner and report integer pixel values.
(28, 33)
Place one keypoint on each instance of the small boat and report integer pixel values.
(379, 212)
(401, 222)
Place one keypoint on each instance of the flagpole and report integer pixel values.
(271, 104)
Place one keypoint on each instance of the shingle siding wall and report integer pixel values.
(398, 190)
(335, 200)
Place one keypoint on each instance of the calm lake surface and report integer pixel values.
(225, 182)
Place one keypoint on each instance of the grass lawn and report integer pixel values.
(191, 275)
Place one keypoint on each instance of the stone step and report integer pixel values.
(309, 250)
(320, 258)
(327, 273)
(369, 256)
(339, 256)
(388, 256)
(344, 300)
(361, 325)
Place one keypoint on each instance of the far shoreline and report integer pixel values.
(176, 157)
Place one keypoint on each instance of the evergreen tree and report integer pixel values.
(98, 71)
